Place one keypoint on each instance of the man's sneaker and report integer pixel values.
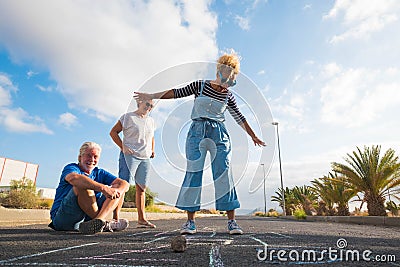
(91, 227)
(188, 228)
(119, 225)
(234, 228)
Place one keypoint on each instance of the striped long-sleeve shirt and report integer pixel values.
(195, 87)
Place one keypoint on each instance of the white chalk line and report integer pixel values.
(258, 240)
(155, 240)
(228, 242)
(146, 250)
(68, 264)
(46, 252)
(215, 257)
(140, 233)
(282, 235)
(166, 232)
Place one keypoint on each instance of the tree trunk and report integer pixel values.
(322, 210)
(343, 210)
(375, 205)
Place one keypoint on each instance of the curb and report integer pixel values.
(363, 220)
(19, 217)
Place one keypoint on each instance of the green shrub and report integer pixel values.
(154, 209)
(21, 199)
(3, 195)
(22, 195)
(45, 203)
(300, 214)
(270, 213)
(130, 196)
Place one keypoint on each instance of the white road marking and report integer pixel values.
(155, 240)
(258, 240)
(281, 235)
(141, 233)
(228, 242)
(166, 232)
(46, 252)
(215, 257)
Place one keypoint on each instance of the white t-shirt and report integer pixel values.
(138, 134)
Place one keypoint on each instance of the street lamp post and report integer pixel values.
(265, 194)
(280, 168)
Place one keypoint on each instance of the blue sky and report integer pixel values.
(329, 71)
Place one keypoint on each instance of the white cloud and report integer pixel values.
(5, 87)
(331, 95)
(16, 119)
(67, 120)
(261, 72)
(99, 54)
(331, 69)
(5, 81)
(243, 22)
(44, 89)
(357, 96)
(5, 97)
(362, 18)
(31, 73)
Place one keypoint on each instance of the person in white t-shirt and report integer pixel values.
(137, 147)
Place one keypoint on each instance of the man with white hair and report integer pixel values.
(86, 195)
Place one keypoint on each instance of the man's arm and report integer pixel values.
(119, 183)
(83, 182)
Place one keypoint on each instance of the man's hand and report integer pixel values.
(110, 192)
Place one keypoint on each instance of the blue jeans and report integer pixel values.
(133, 170)
(69, 213)
(208, 135)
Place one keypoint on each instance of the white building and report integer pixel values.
(11, 169)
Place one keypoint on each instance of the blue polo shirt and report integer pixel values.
(98, 175)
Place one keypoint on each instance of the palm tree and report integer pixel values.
(369, 173)
(332, 189)
(325, 192)
(289, 200)
(303, 197)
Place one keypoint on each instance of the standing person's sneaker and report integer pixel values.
(119, 225)
(91, 227)
(234, 228)
(188, 228)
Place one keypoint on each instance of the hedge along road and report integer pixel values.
(265, 241)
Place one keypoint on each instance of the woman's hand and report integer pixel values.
(143, 96)
(128, 151)
(258, 142)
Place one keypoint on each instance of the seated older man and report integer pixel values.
(86, 195)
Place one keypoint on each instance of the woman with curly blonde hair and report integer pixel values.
(208, 133)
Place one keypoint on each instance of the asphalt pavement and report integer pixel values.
(266, 241)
